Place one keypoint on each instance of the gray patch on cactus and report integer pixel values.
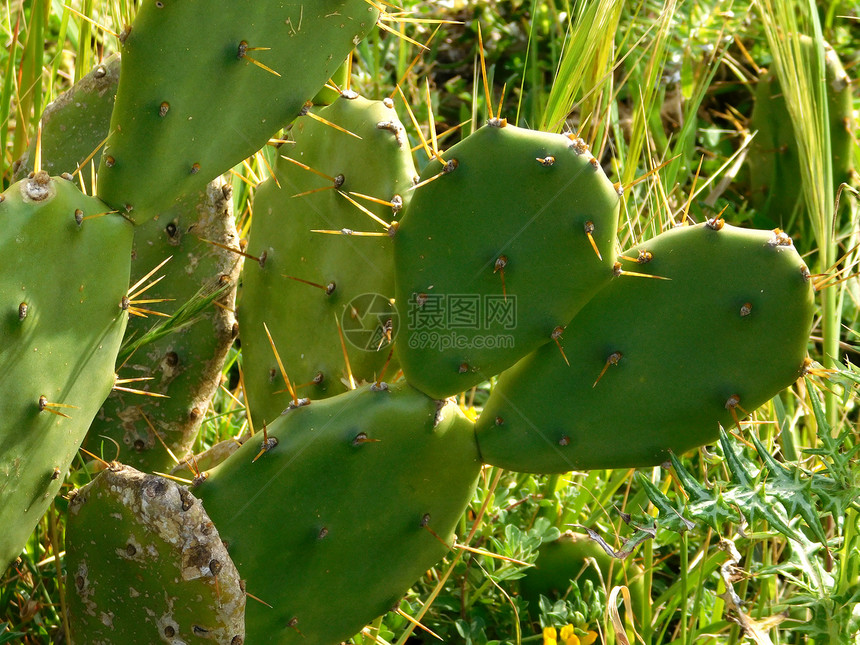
(146, 565)
(37, 188)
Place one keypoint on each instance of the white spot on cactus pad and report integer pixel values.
(38, 188)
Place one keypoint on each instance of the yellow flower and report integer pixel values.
(568, 637)
(470, 412)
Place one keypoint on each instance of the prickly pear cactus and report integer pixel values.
(774, 157)
(570, 560)
(307, 284)
(76, 123)
(658, 365)
(244, 70)
(496, 255)
(348, 501)
(146, 565)
(184, 366)
(60, 331)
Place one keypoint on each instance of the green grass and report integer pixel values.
(755, 535)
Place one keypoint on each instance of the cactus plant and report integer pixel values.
(505, 266)
(75, 124)
(307, 284)
(340, 507)
(723, 333)
(61, 330)
(146, 565)
(496, 255)
(774, 159)
(171, 97)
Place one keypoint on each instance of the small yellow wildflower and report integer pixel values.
(568, 637)
(470, 412)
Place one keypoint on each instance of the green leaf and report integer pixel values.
(688, 81)
(670, 517)
(791, 489)
(749, 495)
(704, 505)
(9, 637)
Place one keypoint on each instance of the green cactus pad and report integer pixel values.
(570, 560)
(333, 523)
(76, 123)
(61, 324)
(493, 258)
(774, 158)
(191, 69)
(146, 565)
(184, 366)
(354, 274)
(727, 332)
